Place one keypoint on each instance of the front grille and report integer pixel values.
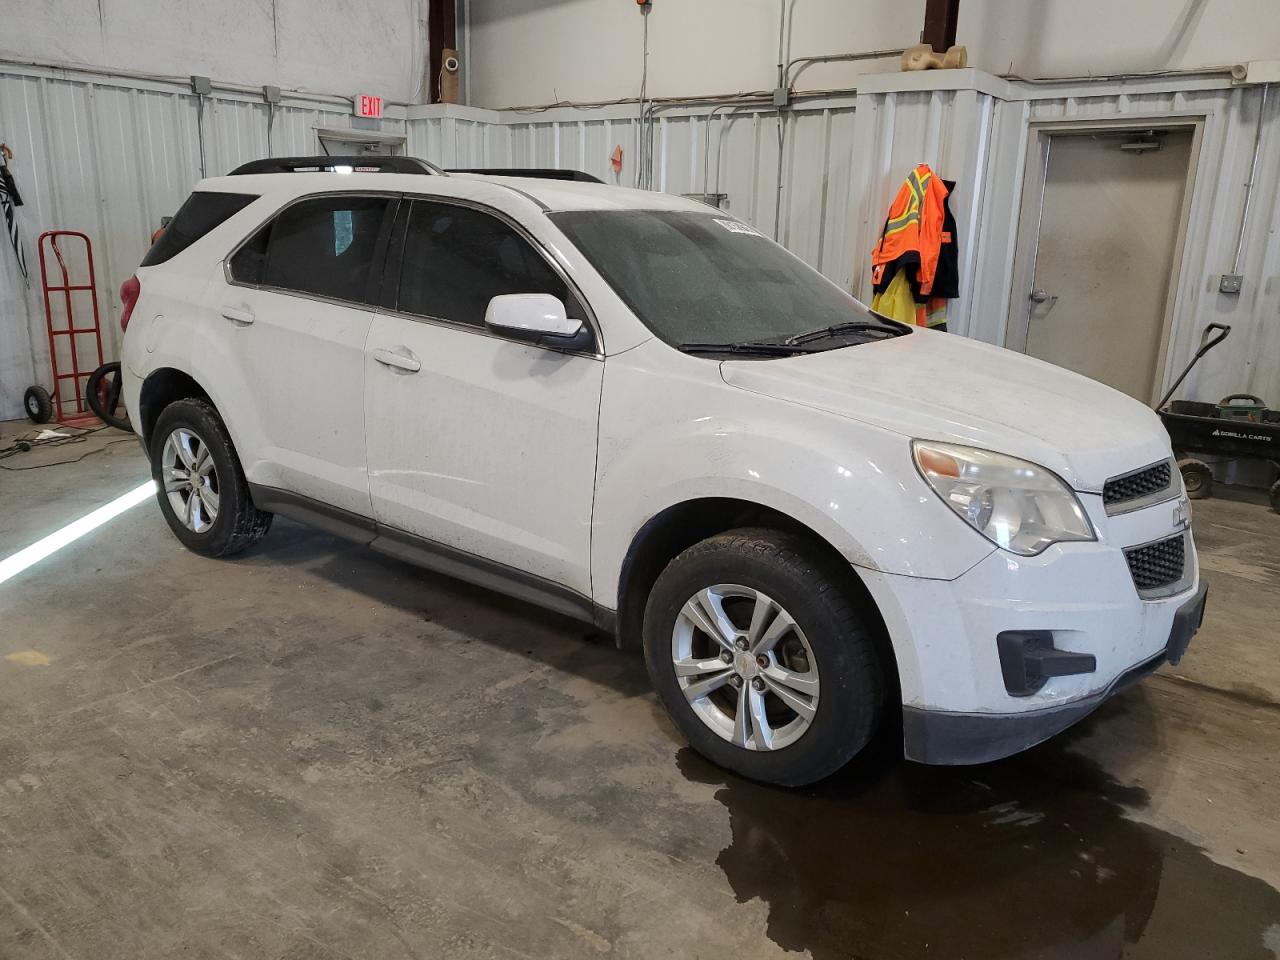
(1136, 485)
(1157, 564)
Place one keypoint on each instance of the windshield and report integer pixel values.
(699, 279)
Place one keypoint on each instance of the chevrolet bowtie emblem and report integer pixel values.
(1182, 515)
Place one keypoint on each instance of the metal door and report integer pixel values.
(1108, 233)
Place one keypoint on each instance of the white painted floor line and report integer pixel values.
(13, 565)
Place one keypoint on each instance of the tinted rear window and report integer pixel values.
(201, 213)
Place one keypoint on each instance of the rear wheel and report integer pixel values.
(762, 658)
(1197, 478)
(201, 487)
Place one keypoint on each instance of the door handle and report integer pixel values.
(1042, 296)
(400, 358)
(240, 315)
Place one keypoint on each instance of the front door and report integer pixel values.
(1104, 267)
(480, 444)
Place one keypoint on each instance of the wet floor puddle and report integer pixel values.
(1028, 858)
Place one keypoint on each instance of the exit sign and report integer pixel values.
(367, 105)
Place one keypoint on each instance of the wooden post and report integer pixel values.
(940, 19)
(442, 35)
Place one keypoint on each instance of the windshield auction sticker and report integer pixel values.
(733, 226)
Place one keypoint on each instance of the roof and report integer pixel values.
(552, 195)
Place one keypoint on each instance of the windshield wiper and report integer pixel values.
(884, 327)
(748, 348)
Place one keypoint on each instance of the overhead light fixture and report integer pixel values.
(14, 564)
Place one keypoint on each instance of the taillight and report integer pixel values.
(129, 291)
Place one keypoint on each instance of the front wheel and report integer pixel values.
(762, 658)
(201, 487)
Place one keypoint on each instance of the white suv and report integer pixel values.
(637, 411)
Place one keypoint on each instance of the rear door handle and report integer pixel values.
(240, 315)
(400, 358)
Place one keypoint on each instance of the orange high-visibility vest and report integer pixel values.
(915, 233)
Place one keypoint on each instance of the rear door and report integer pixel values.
(298, 309)
(477, 443)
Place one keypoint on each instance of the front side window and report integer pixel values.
(324, 246)
(457, 259)
(699, 279)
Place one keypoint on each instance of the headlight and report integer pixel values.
(1016, 505)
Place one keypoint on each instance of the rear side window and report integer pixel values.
(457, 259)
(201, 213)
(326, 246)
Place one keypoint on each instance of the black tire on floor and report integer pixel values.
(1197, 478)
(102, 392)
(784, 567)
(1275, 496)
(38, 404)
(238, 524)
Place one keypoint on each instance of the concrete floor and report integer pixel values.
(314, 752)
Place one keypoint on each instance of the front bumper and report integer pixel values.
(1077, 614)
(941, 737)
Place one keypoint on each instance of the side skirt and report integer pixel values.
(437, 557)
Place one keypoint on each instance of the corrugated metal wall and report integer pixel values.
(817, 159)
(846, 157)
(110, 157)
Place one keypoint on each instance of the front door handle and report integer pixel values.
(240, 315)
(400, 358)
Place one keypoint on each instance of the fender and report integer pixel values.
(841, 478)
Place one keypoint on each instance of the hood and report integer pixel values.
(939, 386)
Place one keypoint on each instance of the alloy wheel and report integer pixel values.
(190, 479)
(745, 667)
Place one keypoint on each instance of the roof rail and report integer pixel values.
(364, 164)
(540, 173)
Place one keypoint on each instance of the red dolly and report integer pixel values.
(41, 406)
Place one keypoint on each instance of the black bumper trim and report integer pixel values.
(954, 739)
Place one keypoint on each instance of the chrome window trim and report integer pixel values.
(301, 294)
(1164, 495)
(597, 353)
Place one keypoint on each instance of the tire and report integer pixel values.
(215, 526)
(1275, 496)
(38, 404)
(1197, 478)
(103, 395)
(827, 649)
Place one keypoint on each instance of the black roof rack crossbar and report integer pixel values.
(539, 173)
(364, 164)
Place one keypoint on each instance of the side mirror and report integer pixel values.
(536, 318)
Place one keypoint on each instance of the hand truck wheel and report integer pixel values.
(38, 404)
